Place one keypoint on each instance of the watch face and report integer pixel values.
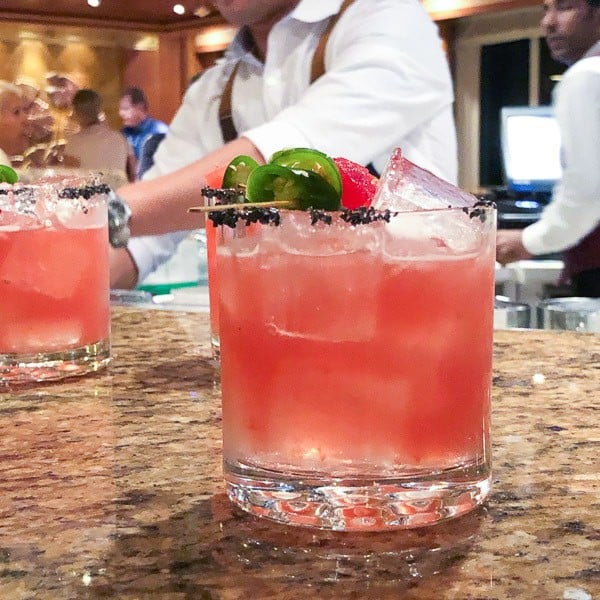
(119, 215)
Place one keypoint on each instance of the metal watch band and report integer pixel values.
(119, 215)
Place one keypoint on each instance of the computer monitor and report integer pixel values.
(530, 141)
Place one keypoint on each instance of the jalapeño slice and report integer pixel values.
(8, 174)
(237, 171)
(302, 189)
(308, 159)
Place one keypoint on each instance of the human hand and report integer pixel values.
(509, 246)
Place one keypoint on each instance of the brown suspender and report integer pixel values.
(225, 118)
(317, 69)
(318, 62)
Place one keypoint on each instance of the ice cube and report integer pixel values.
(404, 186)
(46, 261)
(18, 212)
(296, 235)
(13, 221)
(434, 233)
(81, 214)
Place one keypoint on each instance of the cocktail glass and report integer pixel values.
(356, 366)
(54, 280)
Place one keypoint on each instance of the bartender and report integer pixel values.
(570, 224)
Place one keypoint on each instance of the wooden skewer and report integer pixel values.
(242, 205)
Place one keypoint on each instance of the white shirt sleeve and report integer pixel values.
(182, 145)
(149, 252)
(386, 75)
(575, 207)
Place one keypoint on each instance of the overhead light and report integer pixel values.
(94, 3)
(556, 77)
(179, 9)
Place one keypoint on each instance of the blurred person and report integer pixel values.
(137, 122)
(350, 78)
(60, 91)
(149, 148)
(39, 119)
(96, 146)
(13, 122)
(570, 224)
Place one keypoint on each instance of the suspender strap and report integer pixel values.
(225, 118)
(318, 62)
(317, 69)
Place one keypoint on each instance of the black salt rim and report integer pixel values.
(271, 216)
(71, 193)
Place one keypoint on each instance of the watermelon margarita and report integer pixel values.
(356, 367)
(54, 281)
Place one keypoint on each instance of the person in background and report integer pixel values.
(149, 148)
(137, 122)
(384, 82)
(95, 146)
(40, 121)
(570, 224)
(13, 122)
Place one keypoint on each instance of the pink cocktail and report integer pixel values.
(54, 281)
(356, 367)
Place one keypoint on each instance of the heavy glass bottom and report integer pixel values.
(358, 503)
(19, 369)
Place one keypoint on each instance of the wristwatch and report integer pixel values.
(119, 215)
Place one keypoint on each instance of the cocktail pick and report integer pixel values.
(243, 205)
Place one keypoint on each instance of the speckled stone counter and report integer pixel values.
(110, 487)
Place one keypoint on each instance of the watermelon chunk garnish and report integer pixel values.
(358, 184)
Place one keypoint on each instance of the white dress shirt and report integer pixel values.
(386, 84)
(575, 207)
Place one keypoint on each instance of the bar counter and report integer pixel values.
(110, 487)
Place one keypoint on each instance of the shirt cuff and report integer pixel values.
(149, 252)
(534, 238)
(274, 136)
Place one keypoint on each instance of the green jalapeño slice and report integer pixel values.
(237, 171)
(303, 189)
(308, 159)
(8, 175)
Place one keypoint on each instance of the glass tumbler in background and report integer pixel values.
(214, 180)
(213, 289)
(54, 280)
(356, 367)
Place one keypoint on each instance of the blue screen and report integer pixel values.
(530, 140)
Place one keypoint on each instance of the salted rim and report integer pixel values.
(68, 191)
(270, 215)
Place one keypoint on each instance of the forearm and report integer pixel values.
(161, 205)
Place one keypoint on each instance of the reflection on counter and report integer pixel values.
(189, 299)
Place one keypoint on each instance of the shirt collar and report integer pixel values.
(311, 11)
(593, 51)
(308, 11)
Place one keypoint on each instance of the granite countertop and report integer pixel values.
(110, 487)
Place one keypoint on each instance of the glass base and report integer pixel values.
(19, 369)
(357, 504)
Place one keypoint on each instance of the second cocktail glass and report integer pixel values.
(54, 280)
